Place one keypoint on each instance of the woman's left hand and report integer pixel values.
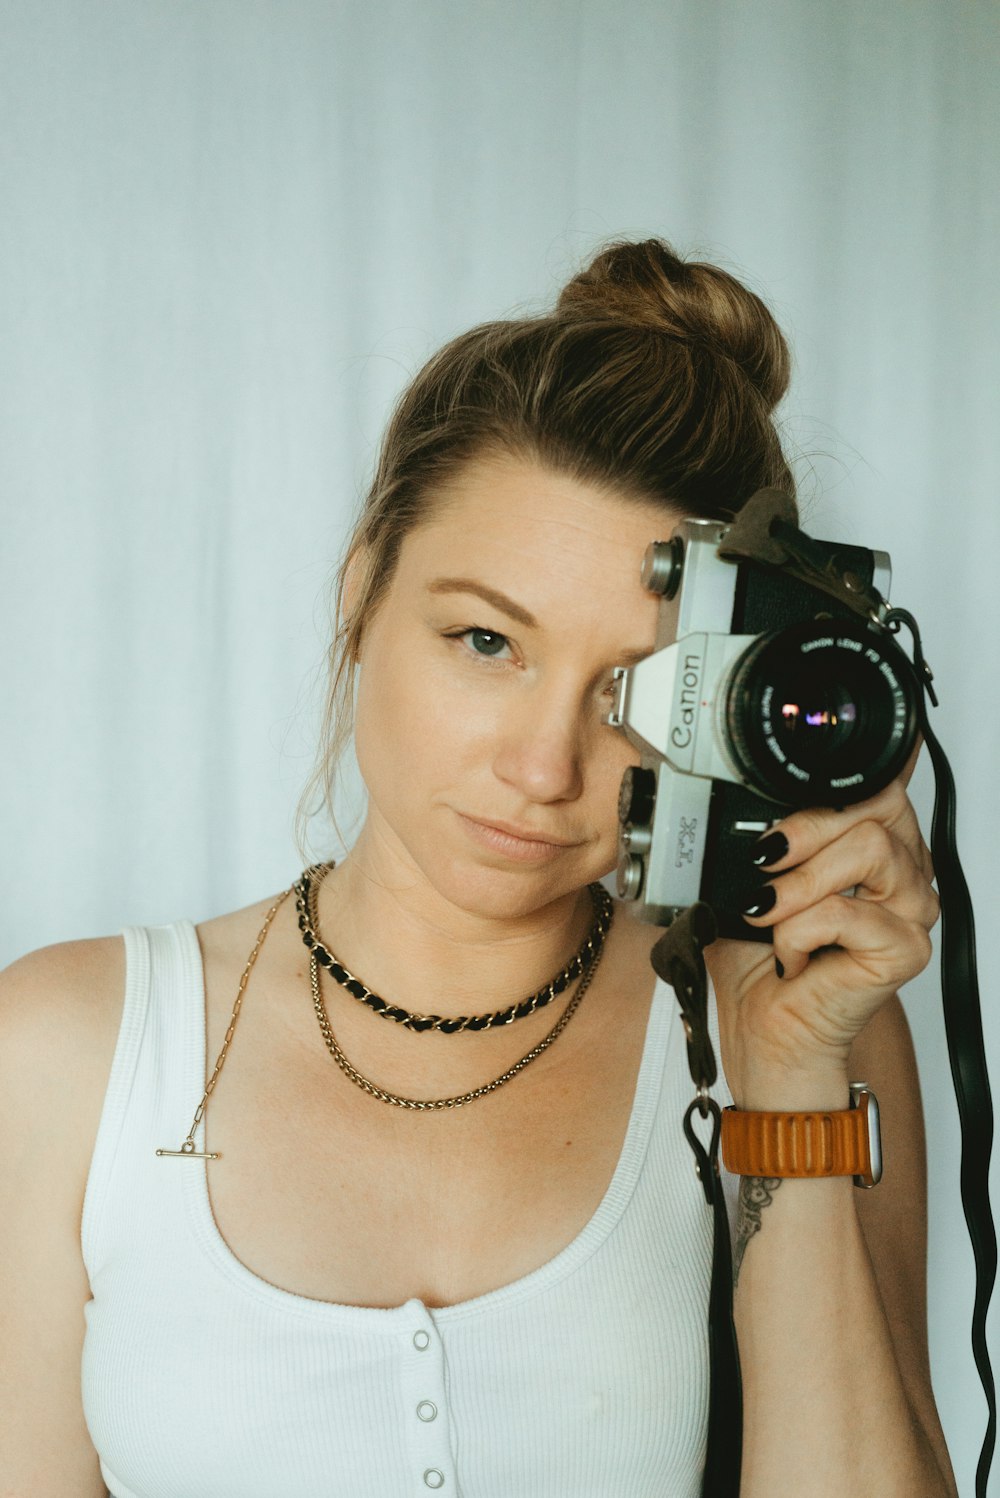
(843, 955)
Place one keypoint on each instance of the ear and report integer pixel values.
(355, 589)
(354, 569)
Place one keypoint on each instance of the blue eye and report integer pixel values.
(488, 644)
(485, 641)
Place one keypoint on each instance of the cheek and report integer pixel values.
(614, 760)
(423, 728)
(413, 732)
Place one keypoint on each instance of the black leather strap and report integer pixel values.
(724, 1448)
(678, 958)
(964, 1031)
(765, 532)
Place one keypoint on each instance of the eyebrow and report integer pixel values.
(489, 595)
(507, 606)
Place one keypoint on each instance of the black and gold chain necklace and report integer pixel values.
(422, 1105)
(589, 951)
(582, 965)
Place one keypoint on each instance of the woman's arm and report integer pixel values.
(830, 1298)
(58, 1022)
(830, 1309)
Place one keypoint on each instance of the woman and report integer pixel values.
(503, 1290)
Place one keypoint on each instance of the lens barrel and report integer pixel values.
(823, 713)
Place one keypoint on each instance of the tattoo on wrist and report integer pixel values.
(756, 1193)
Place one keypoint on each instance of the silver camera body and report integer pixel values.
(717, 709)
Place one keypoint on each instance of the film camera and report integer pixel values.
(764, 692)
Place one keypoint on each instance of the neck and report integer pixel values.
(408, 943)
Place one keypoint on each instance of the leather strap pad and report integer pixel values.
(795, 1144)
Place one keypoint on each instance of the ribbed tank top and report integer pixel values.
(588, 1376)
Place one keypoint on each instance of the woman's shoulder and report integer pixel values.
(60, 1012)
(81, 983)
(226, 940)
(71, 983)
(231, 927)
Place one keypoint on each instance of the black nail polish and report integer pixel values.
(761, 902)
(769, 849)
(779, 967)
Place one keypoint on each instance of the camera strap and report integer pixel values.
(964, 1031)
(678, 958)
(765, 532)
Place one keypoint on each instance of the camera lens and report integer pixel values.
(823, 713)
(817, 725)
(817, 722)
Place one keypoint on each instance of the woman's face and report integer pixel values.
(485, 679)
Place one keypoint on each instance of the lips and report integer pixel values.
(512, 842)
(526, 834)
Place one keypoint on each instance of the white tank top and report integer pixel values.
(588, 1376)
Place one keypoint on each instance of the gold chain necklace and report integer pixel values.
(429, 1104)
(188, 1149)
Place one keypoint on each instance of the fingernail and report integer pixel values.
(771, 847)
(762, 901)
(779, 967)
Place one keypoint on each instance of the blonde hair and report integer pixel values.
(654, 376)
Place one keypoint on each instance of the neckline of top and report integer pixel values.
(660, 1038)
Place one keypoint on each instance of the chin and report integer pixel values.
(499, 893)
(483, 881)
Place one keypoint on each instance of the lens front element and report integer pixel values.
(821, 714)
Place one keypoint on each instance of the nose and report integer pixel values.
(540, 751)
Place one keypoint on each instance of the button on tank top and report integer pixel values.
(587, 1378)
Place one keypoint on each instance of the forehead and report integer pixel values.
(545, 538)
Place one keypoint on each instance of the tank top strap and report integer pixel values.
(156, 1078)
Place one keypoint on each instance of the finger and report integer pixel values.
(866, 858)
(801, 834)
(876, 950)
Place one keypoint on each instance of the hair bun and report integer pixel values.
(645, 284)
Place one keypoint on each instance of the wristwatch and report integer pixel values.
(807, 1144)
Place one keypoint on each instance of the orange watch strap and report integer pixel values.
(811, 1145)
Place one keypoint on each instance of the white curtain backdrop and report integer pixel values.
(229, 231)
